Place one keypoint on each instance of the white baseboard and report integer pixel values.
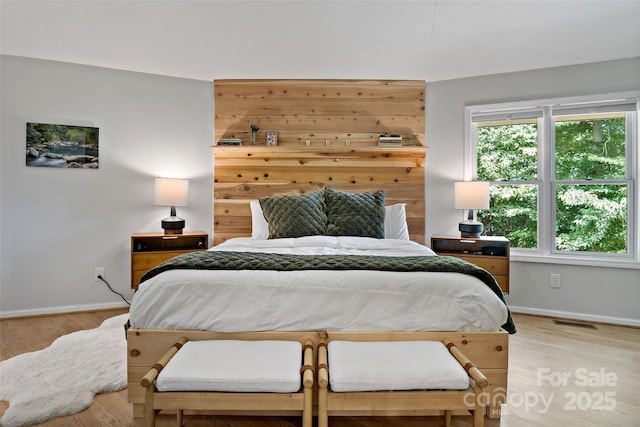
(62, 309)
(576, 316)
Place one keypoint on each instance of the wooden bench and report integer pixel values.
(232, 375)
(397, 377)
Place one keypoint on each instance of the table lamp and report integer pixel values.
(172, 192)
(472, 195)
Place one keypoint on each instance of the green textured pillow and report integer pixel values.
(355, 214)
(295, 215)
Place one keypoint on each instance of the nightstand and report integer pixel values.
(489, 252)
(150, 249)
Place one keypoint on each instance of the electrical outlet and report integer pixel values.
(99, 271)
(554, 280)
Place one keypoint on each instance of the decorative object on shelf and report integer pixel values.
(393, 140)
(272, 137)
(254, 130)
(230, 141)
(172, 192)
(471, 195)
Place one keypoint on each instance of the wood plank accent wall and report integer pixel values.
(317, 110)
(320, 110)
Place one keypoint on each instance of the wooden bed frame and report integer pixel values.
(488, 350)
(350, 115)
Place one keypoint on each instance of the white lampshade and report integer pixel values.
(171, 192)
(471, 195)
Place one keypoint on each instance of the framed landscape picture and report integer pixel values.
(272, 137)
(62, 146)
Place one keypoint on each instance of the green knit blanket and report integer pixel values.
(223, 260)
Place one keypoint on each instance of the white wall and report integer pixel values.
(592, 293)
(57, 225)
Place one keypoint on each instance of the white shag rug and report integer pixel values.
(63, 378)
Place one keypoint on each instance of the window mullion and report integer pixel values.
(546, 208)
(472, 170)
(470, 155)
(632, 154)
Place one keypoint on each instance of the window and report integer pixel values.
(590, 186)
(507, 156)
(562, 175)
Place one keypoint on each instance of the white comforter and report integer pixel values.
(353, 300)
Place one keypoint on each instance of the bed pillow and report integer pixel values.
(259, 225)
(395, 222)
(355, 214)
(295, 215)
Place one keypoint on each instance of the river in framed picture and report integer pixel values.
(62, 146)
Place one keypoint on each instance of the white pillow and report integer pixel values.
(259, 225)
(395, 222)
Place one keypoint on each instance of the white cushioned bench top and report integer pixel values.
(393, 365)
(234, 366)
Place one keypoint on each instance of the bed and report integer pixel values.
(321, 266)
(339, 299)
(234, 293)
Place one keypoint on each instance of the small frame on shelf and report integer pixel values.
(272, 138)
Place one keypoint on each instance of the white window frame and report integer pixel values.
(546, 181)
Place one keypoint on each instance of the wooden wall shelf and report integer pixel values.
(319, 110)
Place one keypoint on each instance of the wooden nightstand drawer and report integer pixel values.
(494, 265)
(136, 275)
(151, 249)
(503, 282)
(479, 251)
(148, 260)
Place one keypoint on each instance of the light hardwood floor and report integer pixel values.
(558, 376)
